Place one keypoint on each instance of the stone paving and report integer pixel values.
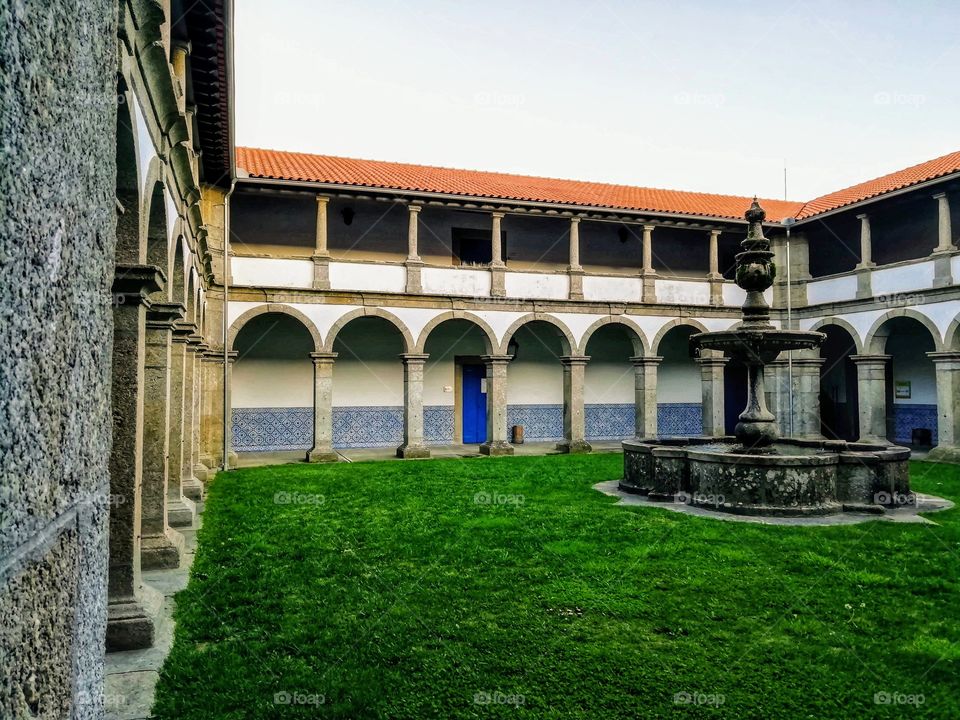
(906, 514)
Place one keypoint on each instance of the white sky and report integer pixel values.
(711, 96)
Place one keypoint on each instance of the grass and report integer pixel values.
(509, 587)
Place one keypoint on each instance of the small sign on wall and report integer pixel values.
(901, 389)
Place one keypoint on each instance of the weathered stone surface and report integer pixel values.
(57, 225)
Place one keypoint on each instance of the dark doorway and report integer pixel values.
(734, 394)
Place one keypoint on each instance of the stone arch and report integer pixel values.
(408, 342)
(130, 246)
(191, 298)
(246, 317)
(877, 336)
(490, 338)
(951, 339)
(154, 220)
(840, 323)
(690, 322)
(636, 336)
(181, 282)
(566, 337)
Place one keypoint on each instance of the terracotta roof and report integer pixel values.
(474, 183)
(283, 165)
(929, 170)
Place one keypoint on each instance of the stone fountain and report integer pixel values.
(757, 472)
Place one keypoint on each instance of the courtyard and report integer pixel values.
(461, 588)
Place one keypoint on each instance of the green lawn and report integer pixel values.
(509, 587)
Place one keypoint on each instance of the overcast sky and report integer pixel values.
(710, 96)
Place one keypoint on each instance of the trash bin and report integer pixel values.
(517, 435)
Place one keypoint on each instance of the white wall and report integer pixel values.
(273, 366)
(678, 377)
(445, 343)
(610, 374)
(368, 370)
(910, 364)
(535, 377)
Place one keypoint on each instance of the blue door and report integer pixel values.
(474, 404)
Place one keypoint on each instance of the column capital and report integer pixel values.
(414, 208)
(716, 233)
(574, 359)
(863, 216)
(232, 356)
(712, 361)
(946, 357)
(499, 214)
(164, 315)
(323, 358)
(647, 227)
(323, 199)
(870, 359)
(132, 284)
(413, 358)
(939, 195)
(183, 330)
(496, 359)
(575, 219)
(646, 360)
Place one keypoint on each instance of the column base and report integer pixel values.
(161, 552)
(499, 447)
(233, 458)
(128, 626)
(575, 447)
(322, 455)
(944, 454)
(410, 452)
(201, 472)
(181, 512)
(192, 489)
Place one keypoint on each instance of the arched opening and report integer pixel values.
(368, 384)
(157, 245)
(272, 385)
(454, 386)
(679, 395)
(839, 396)
(911, 382)
(535, 381)
(609, 385)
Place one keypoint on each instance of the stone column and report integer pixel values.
(321, 256)
(414, 263)
(575, 271)
(497, 266)
(711, 388)
(179, 512)
(649, 274)
(864, 289)
(806, 396)
(574, 422)
(645, 394)
(777, 391)
(942, 271)
(128, 625)
(714, 276)
(191, 484)
(413, 446)
(212, 403)
(322, 450)
(228, 410)
(496, 443)
(201, 473)
(161, 547)
(872, 396)
(948, 407)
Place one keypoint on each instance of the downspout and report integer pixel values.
(226, 323)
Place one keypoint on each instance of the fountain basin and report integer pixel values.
(792, 477)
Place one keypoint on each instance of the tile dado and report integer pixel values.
(610, 421)
(908, 417)
(265, 429)
(540, 422)
(679, 419)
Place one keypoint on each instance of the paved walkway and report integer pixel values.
(253, 459)
(131, 675)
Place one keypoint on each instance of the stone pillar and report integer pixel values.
(496, 443)
(575, 271)
(413, 446)
(201, 473)
(128, 625)
(864, 289)
(179, 512)
(321, 256)
(212, 403)
(191, 484)
(414, 263)
(322, 450)
(948, 407)
(645, 394)
(806, 395)
(872, 392)
(228, 410)
(776, 387)
(942, 271)
(714, 276)
(161, 546)
(649, 274)
(711, 387)
(574, 422)
(497, 266)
